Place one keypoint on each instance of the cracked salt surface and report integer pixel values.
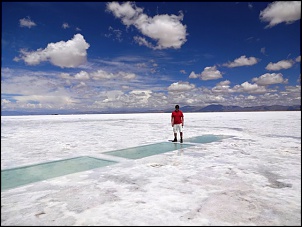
(252, 177)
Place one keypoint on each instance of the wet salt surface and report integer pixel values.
(253, 177)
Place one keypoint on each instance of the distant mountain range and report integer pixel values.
(221, 108)
(210, 108)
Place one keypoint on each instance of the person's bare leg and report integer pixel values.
(180, 137)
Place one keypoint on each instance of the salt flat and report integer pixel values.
(251, 177)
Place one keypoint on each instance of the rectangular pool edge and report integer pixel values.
(19, 176)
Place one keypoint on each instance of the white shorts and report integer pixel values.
(177, 127)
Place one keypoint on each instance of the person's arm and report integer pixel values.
(183, 120)
(172, 120)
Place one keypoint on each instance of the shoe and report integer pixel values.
(181, 140)
(175, 140)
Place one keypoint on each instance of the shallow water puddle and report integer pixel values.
(11, 178)
(205, 139)
(147, 150)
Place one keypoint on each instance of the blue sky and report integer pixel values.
(98, 56)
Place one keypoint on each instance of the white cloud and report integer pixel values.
(81, 85)
(101, 74)
(210, 73)
(68, 54)
(36, 91)
(298, 59)
(166, 30)
(281, 11)
(294, 90)
(222, 87)
(65, 25)
(242, 61)
(82, 76)
(26, 22)
(143, 42)
(251, 97)
(193, 75)
(115, 33)
(262, 50)
(65, 76)
(49, 99)
(141, 95)
(27, 85)
(118, 99)
(249, 88)
(128, 12)
(269, 78)
(181, 86)
(126, 76)
(284, 64)
(5, 101)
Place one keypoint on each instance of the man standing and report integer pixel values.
(177, 121)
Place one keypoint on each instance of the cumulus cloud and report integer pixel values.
(36, 90)
(65, 76)
(82, 76)
(284, 64)
(181, 86)
(249, 88)
(242, 61)
(68, 54)
(193, 75)
(29, 90)
(298, 59)
(118, 99)
(251, 97)
(5, 101)
(26, 22)
(101, 74)
(209, 73)
(222, 87)
(141, 95)
(269, 78)
(281, 11)
(166, 30)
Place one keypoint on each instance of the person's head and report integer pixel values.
(177, 107)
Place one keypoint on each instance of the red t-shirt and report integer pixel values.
(177, 115)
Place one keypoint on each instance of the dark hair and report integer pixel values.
(177, 107)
